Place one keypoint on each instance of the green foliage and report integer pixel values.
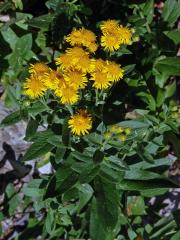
(99, 187)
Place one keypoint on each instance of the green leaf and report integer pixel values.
(107, 203)
(18, 4)
(134, 124)
(38, 149)
(148, 98)
(13, 204)
(65, 133)
(85, 194)
(21, 52)
(89, 174)
(37, 107)
(136, 205)
(148, 10)
(31, 129)
(65, 179)
(98, 156)
(43, 22)
(60, 153)
(32, 189)
(10, 37)
(96, 230)
(146, 185)
(49, 221)
(170, 90)
(138, 174)
(164, 68)
(171, 11)
(176, 236)
(168, 65)
(174, 35)
(12, 118)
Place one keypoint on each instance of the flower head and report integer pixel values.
(51, 79)
(75, 57)
(114, 71)
(110, 42)
(80, 123)
(34, 86)
(76, 78)
(97, 65)
(114, 35)
(64, 61)
(101, 80)
(83, 37)
(125, 35)
(109, 27)
(38, 68)
(68, 94)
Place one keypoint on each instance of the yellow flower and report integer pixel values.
(116, 129)
(65, 61)
(107, 135)
(68, 94)
(122, 137)
(101, 80)
(93, 47)
(114, 35)
(110, 42)
(82, 37)
(74, 38)
(109, 27)
(38, 68)
(34, 87)
(80, 123)
(84, 64)
(75, 57)
(99, 74)
(125, 35)
(114, 71)
(75, 78)
(97, 65)
(76, 53)
(128, 131)
(51, 79)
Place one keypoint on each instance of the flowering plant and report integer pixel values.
(101, 111)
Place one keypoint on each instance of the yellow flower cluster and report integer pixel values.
(117, 132)
(114, 35)
(78, 69)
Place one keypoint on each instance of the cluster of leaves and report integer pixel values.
(99, 188)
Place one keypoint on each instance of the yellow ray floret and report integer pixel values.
(34, 86)
(80, 123)
(76, 79)
(114, 71)
(38, 68)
